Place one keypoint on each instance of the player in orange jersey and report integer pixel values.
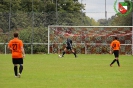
(18, 53)
(115, 46)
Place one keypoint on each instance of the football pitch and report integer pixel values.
(85, 71)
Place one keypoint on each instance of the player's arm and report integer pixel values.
(23, 52)
(22, 49)
(9, 46)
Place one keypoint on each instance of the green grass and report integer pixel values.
(50, 71)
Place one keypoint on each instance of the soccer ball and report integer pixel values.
(60, 56)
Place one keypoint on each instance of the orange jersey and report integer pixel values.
(15, 45)
(115, 45)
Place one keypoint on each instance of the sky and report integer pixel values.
(96, 8)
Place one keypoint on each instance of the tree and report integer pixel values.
(4, 5)
(103, 22)
(123, 20)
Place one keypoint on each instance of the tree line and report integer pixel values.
(53, 12)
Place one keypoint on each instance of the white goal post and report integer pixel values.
(93, 36)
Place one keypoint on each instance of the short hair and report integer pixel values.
(116, 38)
(15, 34)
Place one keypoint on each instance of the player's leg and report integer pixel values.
(112, 62)
(117, 56)
(118, 62)
(63, 53)
(74, 52)
(16, 69)
(114, 59)
(14, 61)
(21, 66)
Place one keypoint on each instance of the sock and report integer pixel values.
(15, 70)
(113, 61)
(74, 54)
(20, 69)
(118, 63)
(63, 53)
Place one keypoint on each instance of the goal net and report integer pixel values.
(90, 39)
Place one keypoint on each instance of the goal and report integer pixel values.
(90, 39)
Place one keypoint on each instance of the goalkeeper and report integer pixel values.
(69, 47)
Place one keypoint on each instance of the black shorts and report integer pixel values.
(69, 48)
(116, 53)
(17, 61)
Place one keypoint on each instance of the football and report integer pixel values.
(60, 56)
